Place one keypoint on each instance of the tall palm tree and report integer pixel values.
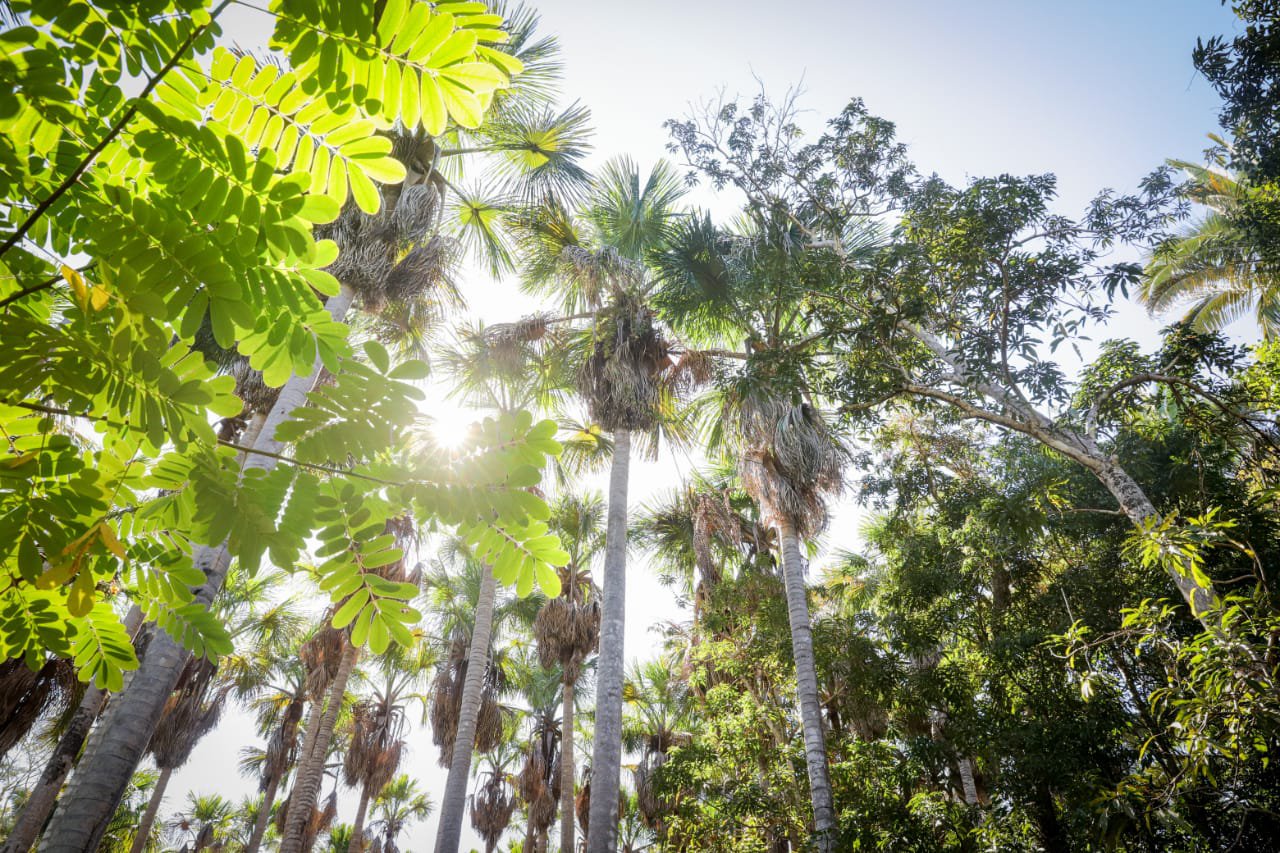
(379, 724)
(279, 711)
(398, 805)
(657, 721)
(567, 627)
(594, 263)
(753, 286)
(262, 627)
(539, 779)
(1215, 265)
(320, 729)
(494, 801)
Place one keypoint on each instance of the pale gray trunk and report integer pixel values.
(567, 841)
(453, 805)
(1079, 446)
(357, 828)
(815, 747)
(310, 775)
(36, 810)
(116, 747)
(143, 832)
(606, 752)
(966, 781)
(264, 815)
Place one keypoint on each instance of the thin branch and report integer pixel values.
(73, 178)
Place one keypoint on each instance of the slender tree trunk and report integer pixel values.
(39, 806)
(357, 829)
(116, 747)
(454, 803)
(566, 769)
(264, 815)
(606, 752)
(306, 784)
(143, 832)
(815, 747)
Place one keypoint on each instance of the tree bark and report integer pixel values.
(306, 784)
(566, 769)
(116, 747)
(264, 815)
(606, 752)
(149, 816)
(815, 747)
(357, 829)
(454, 803)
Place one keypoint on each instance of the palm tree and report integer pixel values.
(567, 627)
(657, 722)
(494, 801)
(752, 286)
(27, 696)
(279, 710)
(398, 805)
(260, 624)
(1215, 264)
(594, 263)
(202, 823)
(539, 779)
(378, 727)
(320, 728)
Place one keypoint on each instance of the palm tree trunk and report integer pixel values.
(149, 816)
(264, 815)
(357, 829)
(566, 769)
(815, 747)
(36, 810)
(116, 747)
(454, 803)
(606, 753)
(306, 786)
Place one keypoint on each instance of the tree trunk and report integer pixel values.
(264, 815)
(36, 810)
(116, 747)
(454, 803)
(310, 775)
(815, 747)
(606, 752)
(566, 769)
(357, 829)
(149, 816)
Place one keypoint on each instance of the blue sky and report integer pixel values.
(1098, 92)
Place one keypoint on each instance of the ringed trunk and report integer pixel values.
(116, 747)
(606, 753)
(453, 804)
(264, 815)
(815, 747)
(149, 816)
(567, 842)
(306, 786)
(357, 829)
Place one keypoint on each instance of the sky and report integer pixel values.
(1099, 92)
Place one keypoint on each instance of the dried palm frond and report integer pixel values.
(525, 330)
(422, 270)
(321, 819)
(189, 714)
(566, 632)
(26, 696)
(492, 806)
(621, 377)
(322, 654)
(693, 369)
(415, 211)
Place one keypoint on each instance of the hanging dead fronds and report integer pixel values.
(622, 376)
(492, 806)
(26, 696)
(425, 269)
